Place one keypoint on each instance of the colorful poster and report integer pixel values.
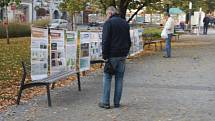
(96, 46)
(57, 56)
(85, 51)
(39, 53)
(71, 50)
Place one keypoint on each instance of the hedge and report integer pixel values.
(16, 30)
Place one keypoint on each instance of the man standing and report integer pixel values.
(206, 21)
(116, 43)
(169, 26)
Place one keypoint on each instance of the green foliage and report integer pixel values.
(155, 31)
(41, 23)
(4, 3)
(73, 6)
(16, 30)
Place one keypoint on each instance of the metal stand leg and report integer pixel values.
(48, 95)
(53, 85)
(79, 82)
(19, 96)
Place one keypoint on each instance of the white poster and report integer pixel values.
(96, 46)
(57, 56)
(140, 33)
(39, 53)
(71, 50)
(131, 52)
(85, 51)
(136, 42)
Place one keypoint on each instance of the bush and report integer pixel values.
(41, 23)
(154, 31)
(16, 30)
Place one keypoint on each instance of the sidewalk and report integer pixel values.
(181, 88)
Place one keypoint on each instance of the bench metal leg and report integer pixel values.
(53, 85)
(48, 95)
(79, 82)
(19, 96)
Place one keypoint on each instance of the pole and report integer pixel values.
(199, 28)
(32, 11)
(167, 10)
(190, 13)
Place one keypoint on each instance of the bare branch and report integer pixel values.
(139, 8)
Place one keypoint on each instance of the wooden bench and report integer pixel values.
(149, 39)
(44, 82)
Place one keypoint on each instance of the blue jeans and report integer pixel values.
(168, 45)
(118, 64)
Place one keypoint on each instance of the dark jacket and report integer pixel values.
(206, 20)
(116, 39)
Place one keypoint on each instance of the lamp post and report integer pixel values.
(199, 27)
(190, 13)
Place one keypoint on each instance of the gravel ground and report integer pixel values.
(181, 88)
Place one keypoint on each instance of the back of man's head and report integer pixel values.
(112, 10)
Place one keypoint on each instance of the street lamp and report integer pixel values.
(190, 12)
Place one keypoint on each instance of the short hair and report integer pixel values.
(112, 9)
(167, 14)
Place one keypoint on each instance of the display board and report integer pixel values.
(140, 34)
(136, 42)
(131, 52)
(96, 45)
(84, 51)
(39, 53)
(71, 50)
(57, 52)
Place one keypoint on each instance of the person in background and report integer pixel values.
(116, 44)
(206, 21)
(169, 26)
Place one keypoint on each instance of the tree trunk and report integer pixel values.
(122, 8)
(6, 27)
(8, 40)
(72, 22)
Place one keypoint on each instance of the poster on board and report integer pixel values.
(39, 53)
(84, 51)
(131, 52)
(140, 33)
(136, 42)
(96, 46)
(71, 50)
(57, 52)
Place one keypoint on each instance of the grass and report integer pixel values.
(11, 56)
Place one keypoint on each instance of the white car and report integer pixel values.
(58, 24)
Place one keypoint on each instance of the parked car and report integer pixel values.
(58, 24)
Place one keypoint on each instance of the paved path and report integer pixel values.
(156, 89)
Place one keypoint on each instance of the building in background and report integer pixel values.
(31, 10)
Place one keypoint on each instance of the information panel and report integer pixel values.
(39, 53)
(84, 51)
(57, 56)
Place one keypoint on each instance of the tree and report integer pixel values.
(123, 5)
(5, 4)
(73, 6)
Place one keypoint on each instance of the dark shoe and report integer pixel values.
(116, 105)
(166, 56)
(106, 106)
